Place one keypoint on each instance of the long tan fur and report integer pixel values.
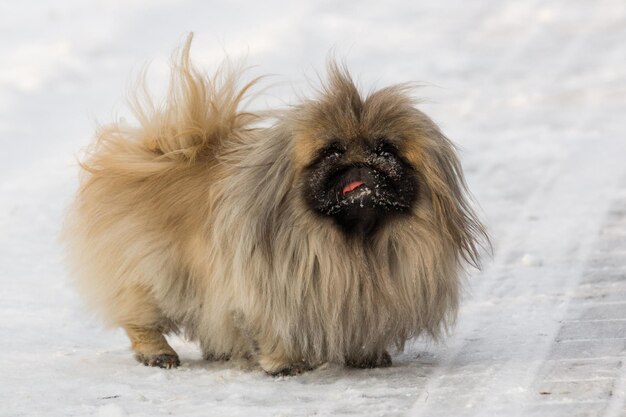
(194, 221)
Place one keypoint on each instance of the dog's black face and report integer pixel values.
(360, 184)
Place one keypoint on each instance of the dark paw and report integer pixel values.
(165, 360)
(292, 369)
(375, 361)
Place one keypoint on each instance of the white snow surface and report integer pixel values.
(534, 94)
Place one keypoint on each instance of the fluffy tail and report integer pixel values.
(198, 115)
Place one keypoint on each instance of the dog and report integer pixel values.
(330, 231)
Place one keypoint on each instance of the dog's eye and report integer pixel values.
(385, 149)
(334, 150)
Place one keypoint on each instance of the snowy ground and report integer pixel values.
(533, 91)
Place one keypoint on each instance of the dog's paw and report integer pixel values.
(284, 368)
(382, 360)
(291, 369)
(164, 360)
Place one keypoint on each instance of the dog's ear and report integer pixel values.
(450, 201)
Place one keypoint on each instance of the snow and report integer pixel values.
(534, 94)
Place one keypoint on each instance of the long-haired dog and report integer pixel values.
(329, 232)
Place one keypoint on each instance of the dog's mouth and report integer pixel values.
(360, 197)
(352, 186)
(357, 189)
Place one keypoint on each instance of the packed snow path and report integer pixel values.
(533, 92)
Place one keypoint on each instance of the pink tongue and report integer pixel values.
(352, 186)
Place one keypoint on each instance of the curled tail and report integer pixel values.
(200, 113)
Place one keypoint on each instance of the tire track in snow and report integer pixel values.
(509, 326)
(477, 378)
(584, 370)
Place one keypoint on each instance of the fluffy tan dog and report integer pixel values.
(331, 234)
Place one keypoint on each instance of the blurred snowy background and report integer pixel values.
(533, 92)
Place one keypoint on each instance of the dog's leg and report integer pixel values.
(138, 313)
(151, 348)
(235, 341)
(275, 360)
